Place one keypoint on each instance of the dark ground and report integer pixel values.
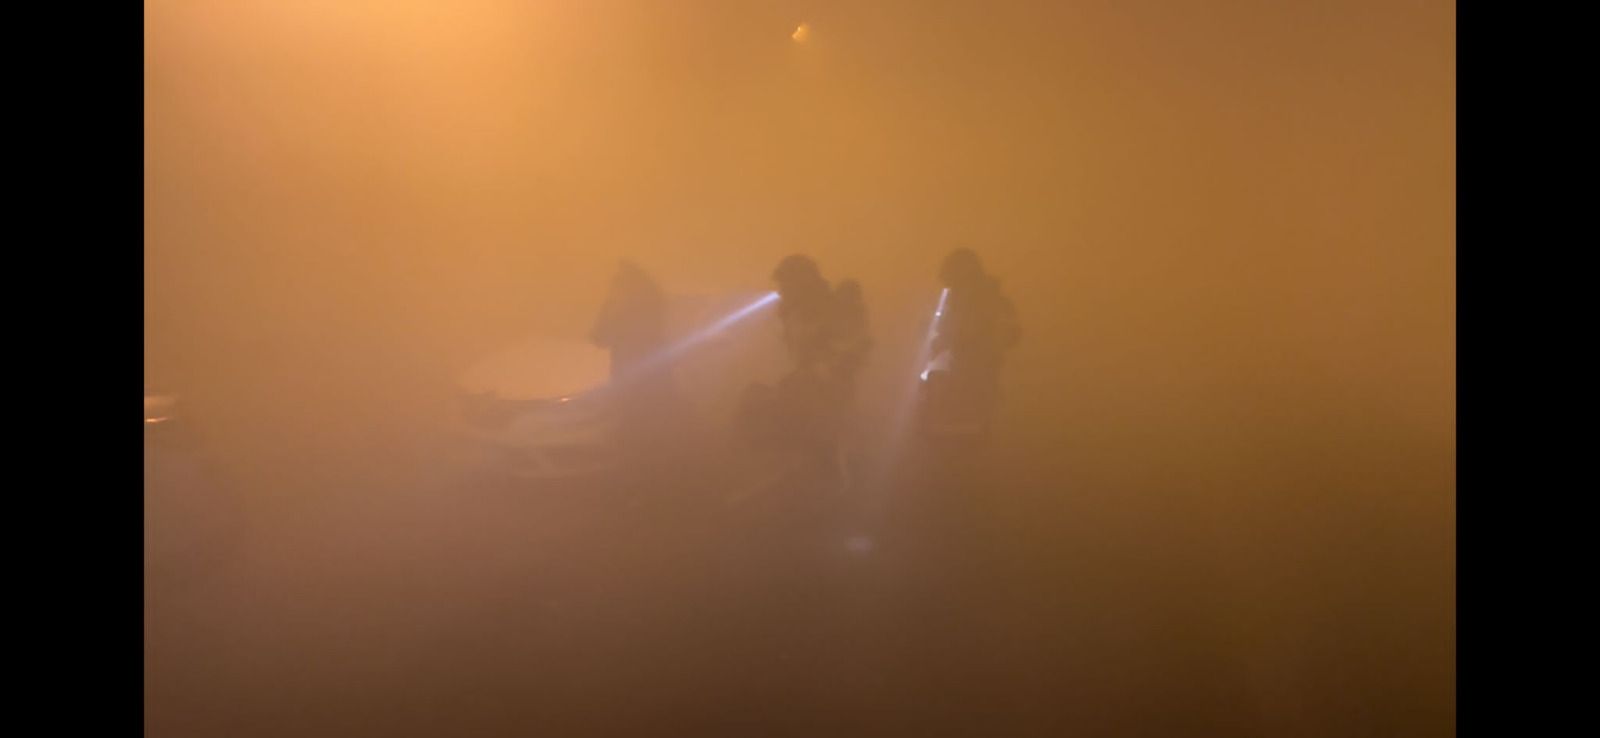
(448, 607)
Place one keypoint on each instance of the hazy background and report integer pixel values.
(1229, 228)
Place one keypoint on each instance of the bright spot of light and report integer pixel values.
(801, 32)
(155, 420)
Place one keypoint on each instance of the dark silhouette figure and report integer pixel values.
(825, 331)
(853, 338)
(806, 310)
(978, 326)
(632, 323)
(642, 396)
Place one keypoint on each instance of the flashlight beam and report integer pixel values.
(662, 358)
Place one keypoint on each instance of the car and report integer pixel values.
(538, 410)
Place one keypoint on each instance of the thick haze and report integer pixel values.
(1229, 228)
(1242, 208)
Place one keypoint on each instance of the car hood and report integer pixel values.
(539, 368)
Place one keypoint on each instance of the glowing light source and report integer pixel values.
(801, 33)
(933, 330)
